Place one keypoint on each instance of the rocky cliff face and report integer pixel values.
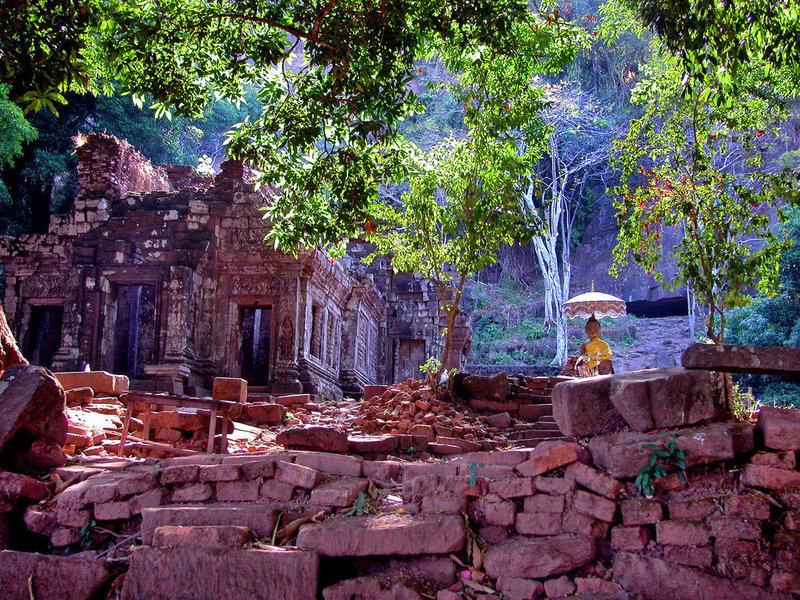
(592, 260)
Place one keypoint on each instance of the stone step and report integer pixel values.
(547, 419)
(259, 519)
(533, 442)
(533, 434)
(535, 412)
(546, 427)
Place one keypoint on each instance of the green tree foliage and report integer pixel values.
(699, 168)
(14, 132)
(715, 40)
(465, 194)
(332, 74)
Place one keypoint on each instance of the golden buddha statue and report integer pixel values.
(595, 357)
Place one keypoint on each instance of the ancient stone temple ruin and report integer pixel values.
(164, 276)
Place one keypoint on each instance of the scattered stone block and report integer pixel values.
(325, 439)
(40, 520)
(500, 420)
(193, 492)
(578, 523)
(231, 389)
(112, 511)
(238, 491)
(392, 534)
(770, 478)
(543, 503)
(178, 474)
(298, 475)
(261, 467)
(207, 537)
(375, 587)
(223, 472)
(65, 536)
(631, 539)
(383, 471)
(583, 407)
(33, 409)
(691, 556)
(693, 510)
(79, 396)
(749, 506)
(682, 533)
(595, 506)
(548, 456)
(263, 413)
(51, 577)
(493, 510)
(495, 388)
(537, 558)
(641, 511)
(377, 444)
(340, 492)
(559, 587)
(515, 588)
(780, 428)
(16, 485)
(780, 460)
(557, 486)
(149, 499)
(594, 480)
(273, 574)
(101, 382)
(513, 487)
(741, 529)
(293, 399)
(73, 518)
(372, 391)
(594, 586)
(538, 523)
(272, 489)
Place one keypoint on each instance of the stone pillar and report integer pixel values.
(348, 377)
(286, 375)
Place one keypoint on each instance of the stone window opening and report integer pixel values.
(256, 341)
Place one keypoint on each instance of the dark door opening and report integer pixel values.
(44, 334)
(410, 357)
(254, 351)
(135, 331)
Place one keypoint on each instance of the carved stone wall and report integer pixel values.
(165, 274)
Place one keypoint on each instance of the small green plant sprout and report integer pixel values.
(666, 456)
(361, 506)
(473, 472)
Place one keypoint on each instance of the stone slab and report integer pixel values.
(659, 398)
(196, 574)
(658, 579)
(624, 454)
(583, 407)
(780, 428)
(52, 577)
(102, 383)
(536, 558)
(392, 534)
(780, 361)
(259, 519)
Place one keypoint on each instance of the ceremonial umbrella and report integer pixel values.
(594, 304)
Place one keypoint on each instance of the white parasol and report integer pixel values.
(594, 304)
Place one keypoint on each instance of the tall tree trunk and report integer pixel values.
(10, 354)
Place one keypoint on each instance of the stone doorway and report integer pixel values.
(410, 357)
(44, 334)
(135, 329)
(255, 347)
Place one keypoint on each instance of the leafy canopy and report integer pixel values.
(699, 169)
(332, 74)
